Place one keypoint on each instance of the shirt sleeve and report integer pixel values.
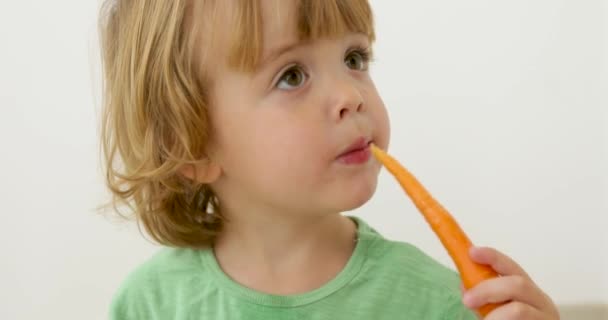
(131, 302)
(120, 308)
(118, 311)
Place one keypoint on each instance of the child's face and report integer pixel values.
(278, 132)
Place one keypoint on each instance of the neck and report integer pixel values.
(298, 252)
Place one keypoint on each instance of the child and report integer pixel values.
(242, 128)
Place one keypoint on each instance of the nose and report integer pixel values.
(346, 98)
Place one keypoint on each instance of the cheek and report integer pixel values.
(291, 144)
(385, 127)
(381, 122)
(284, 148)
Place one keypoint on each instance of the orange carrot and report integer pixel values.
(443, 224)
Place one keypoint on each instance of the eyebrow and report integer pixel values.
(277, 52)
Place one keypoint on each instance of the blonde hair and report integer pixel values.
(155, 106)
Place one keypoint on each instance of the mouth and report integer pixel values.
(357, 153)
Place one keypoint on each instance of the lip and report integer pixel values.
(357, 153)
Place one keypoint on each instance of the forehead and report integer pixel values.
(243, 30)
(279, 22)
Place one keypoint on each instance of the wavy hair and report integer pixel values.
(155, 106)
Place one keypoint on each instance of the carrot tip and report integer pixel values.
(377, 152)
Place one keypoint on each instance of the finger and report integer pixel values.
(515, 311)
(505, 289)
(500, 262)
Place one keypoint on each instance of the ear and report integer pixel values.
(206, 171)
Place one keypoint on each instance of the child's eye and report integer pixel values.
(357, 59)
(291, 79)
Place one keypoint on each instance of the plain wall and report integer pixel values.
(604, 106)
(498, 107)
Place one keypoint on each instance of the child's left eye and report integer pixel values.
(357, 59)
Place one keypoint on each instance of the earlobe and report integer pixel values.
(206, 171)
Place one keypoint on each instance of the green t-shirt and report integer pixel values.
(382, 280)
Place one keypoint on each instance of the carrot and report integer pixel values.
(453, 238)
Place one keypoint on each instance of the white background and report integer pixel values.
(499, 107)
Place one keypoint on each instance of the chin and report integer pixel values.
(356, 196)
(351, 193)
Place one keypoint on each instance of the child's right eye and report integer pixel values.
(292, 79)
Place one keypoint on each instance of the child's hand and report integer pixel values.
(523, 299)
